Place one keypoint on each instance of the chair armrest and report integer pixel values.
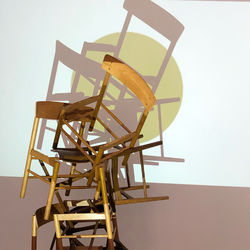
(118, 141)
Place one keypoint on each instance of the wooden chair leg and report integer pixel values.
(127, 174)
(29, 158)
(143, 174)
(106, 209)
(98, 190)
(92, 239)
(59, 245)
(34, 243)
(34, 233)
(51, 191)
(72, 170)
(115, 225)
(118, 195)
(111, 244)
(73, 165)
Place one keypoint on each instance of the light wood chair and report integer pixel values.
(98, 210)
(103, 220)
(167, 26)
(51, 110)
(122, 146)
(64, 210)
(38, 221)
(171, 29)
(99, 155)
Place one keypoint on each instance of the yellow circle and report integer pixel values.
(145, 55)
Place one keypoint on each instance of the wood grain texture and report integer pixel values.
(49, 110)
(131, 79)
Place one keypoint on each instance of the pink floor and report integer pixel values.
(194, 218)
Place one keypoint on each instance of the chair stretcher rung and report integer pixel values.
(139, 200)
(80, 217)
(86, 236)
(75, 187)
(37, 176)
(61, 176)
(133, 187)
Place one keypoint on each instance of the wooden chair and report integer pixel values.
(145, 10)
(98, 155)
(88, 211)
(122, 146)
(170, 28)
(38, 221)
(102, 220)
(49, 110)
(64, 209)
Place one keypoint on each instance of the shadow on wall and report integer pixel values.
(142, 53)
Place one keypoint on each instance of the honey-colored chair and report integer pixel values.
(38, 221)
(48, 110)
(98, 155)
(168, 27)
(72, 228)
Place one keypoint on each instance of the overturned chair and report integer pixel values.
(97, 155)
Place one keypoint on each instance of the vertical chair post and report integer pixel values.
(51, 190)
(29, 157)
(143, 174)
(59, 245)
(106, 208)
(73, 165)
(34, 233)
(115, 179)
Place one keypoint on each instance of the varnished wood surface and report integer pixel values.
(139, 200)
(48, 109)
(131, 79)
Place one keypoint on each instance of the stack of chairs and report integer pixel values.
(94, 165)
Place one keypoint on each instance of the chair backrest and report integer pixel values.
(134, 82)
(131, 79)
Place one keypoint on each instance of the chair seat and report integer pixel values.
(74, 154)
(83, 114)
